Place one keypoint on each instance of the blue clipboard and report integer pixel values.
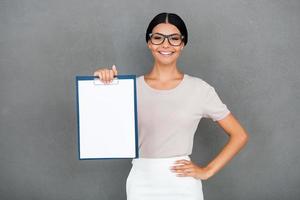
(107, 123)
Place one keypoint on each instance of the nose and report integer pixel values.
(166, 43)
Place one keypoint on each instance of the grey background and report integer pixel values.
(248, 50)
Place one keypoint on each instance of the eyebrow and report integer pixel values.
(168, 34)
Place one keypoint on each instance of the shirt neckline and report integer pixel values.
(164, 91)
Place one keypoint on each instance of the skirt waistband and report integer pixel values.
(158, 161)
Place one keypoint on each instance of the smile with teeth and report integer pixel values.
(166, 53)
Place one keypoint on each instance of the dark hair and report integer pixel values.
(170, 18)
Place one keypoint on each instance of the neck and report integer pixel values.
(165, 72)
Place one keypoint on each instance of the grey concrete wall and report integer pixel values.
(248, 50)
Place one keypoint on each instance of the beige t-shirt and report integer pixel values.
(168, 119)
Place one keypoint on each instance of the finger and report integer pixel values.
(106, 76)
(183, 161)
(180, 166)
(111, 75)
(186, 169)
(184, 173)
(102, 76)
(187, 173)
(115, 70)
(189, 170)
(97, 73)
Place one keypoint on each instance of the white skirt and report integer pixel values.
(152, 179)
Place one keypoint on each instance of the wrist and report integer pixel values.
(209, 171)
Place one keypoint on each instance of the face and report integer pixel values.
(165, 53)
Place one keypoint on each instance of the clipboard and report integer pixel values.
(107, 118)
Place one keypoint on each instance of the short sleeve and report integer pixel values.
(213, 107)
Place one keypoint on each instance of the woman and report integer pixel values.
(170, 106)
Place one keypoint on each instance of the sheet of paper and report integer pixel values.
(107, 118)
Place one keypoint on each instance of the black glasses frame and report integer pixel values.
(166, 36)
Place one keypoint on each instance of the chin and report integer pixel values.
(165, 62)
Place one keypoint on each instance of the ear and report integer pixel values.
(149, 44)
(181, 47)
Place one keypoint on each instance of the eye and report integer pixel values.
(175, 37)
(157, 37)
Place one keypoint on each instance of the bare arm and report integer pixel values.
(238, 137)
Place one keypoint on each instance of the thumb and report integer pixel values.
(114, 70)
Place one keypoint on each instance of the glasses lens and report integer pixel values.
(157, 38)
(175, 39)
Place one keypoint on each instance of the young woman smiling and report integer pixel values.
(171, 103)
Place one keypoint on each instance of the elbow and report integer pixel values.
(241, 137)
(244, 137)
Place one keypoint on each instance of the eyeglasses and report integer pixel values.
(173, 39)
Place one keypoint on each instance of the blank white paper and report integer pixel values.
(106, 119)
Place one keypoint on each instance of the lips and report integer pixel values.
(166, 53)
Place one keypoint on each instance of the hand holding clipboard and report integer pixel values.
(106, 75)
